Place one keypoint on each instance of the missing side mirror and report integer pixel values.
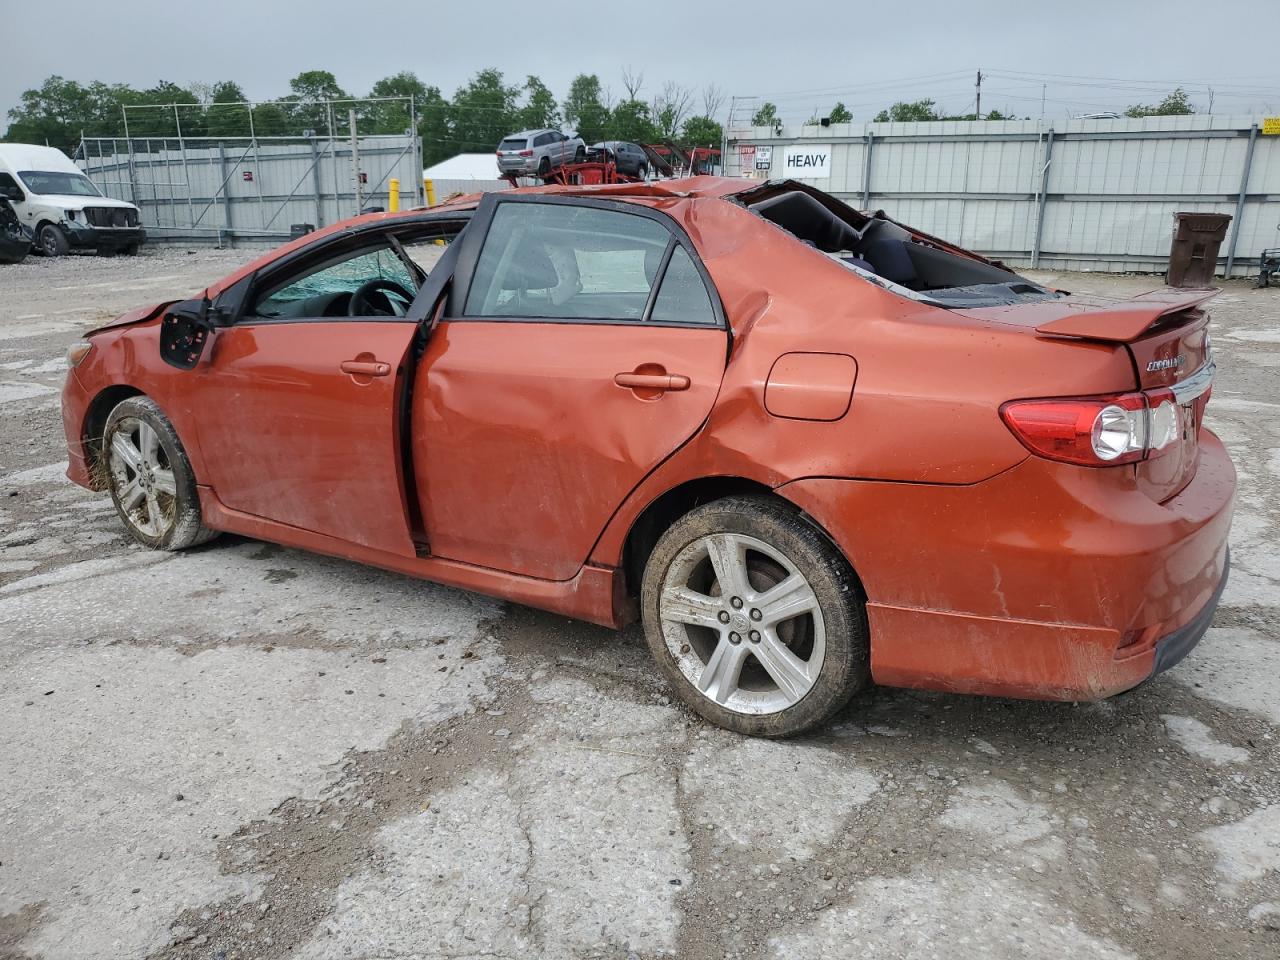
(183, 333)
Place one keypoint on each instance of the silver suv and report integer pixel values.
(538, 152)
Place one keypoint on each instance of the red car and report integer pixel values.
(807, 447)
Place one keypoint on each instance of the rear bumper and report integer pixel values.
(1045, 582)
(1171, 648)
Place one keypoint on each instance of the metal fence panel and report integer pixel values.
(1099, 194)
(230, 189)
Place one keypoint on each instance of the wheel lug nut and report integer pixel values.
(724, 616)
(755, 636)
(735, 638)
(755, 614)
(737, 603)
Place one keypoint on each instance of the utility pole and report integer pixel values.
(355, 163)
(977, 87)
(1044, 88)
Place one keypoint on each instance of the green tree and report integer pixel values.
(630, 120)
(1175, 104)
(393, 116)
(585, 109)
(903, 112)
(482, 113)
(306, 104)
(540, 108)
(840, 114)
(226, 114)
(701, 132)
(154, 112)
(766, 116)
(275, 120)
(58, 111)
(433, 127)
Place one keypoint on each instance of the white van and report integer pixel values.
(61, 206)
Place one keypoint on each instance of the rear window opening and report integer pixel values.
(886, 253)
(513, 143)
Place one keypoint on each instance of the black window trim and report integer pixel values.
(478, 233)
(362, 238)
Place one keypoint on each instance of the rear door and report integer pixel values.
(298, 407)
(581, 345)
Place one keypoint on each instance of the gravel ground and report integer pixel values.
(248, 752)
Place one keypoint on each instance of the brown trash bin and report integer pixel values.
(1193, 256)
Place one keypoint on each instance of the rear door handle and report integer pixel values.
(366, 368)
(652, 381)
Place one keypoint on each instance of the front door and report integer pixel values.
(299, 403)
(580, 347)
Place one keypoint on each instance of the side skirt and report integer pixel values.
(594, 594)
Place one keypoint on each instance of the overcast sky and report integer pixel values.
(802, 55)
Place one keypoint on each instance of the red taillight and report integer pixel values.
(526, 153)
(1097, 431)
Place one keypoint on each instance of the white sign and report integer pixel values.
(807, 162)
(764, 155)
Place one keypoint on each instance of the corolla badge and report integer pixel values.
(1167, 364)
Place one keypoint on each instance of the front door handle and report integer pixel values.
(366, 368)
(652, 381)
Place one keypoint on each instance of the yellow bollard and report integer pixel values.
(430, 189)
(393, 198)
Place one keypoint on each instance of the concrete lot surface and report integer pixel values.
(244, 751)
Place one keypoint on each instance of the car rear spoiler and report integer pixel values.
(1127, 321)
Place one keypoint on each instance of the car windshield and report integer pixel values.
(47, 182)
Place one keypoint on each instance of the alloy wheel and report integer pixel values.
(743, 624)
(142, 478)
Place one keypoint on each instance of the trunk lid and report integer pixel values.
(1166, 334)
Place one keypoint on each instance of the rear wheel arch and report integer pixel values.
(670, 506)
(655, 519)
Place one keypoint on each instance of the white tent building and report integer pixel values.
(465, 173)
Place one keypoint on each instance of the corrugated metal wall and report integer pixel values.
(1077, 194)
(237, 188)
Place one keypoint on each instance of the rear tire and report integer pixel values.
(754, 618)
(579, 155)
(642, 172)
(52, 241)
(150, 478)
(544, 166)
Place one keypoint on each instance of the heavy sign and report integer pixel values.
(1271, 127)
(807, 161)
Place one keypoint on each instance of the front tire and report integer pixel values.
(150, 478)
(52, 241)
(754, 618)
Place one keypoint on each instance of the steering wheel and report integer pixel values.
(360, 305)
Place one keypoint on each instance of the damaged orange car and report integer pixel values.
(809, 448)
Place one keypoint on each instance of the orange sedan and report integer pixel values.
(809, 448)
